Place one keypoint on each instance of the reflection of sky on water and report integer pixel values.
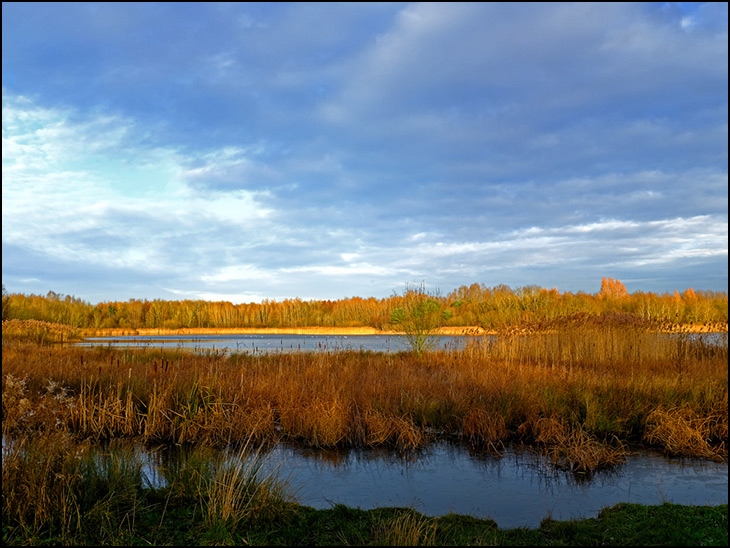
(517, 489)
(272, 343)
(311, 343)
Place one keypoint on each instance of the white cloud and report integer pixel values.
(238, 273)
(235, 298)
(104, 212)
(445, 141)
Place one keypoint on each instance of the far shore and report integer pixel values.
(318, 330)
(472, 330)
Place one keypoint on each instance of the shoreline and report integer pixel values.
(318, 330)
(470, 330)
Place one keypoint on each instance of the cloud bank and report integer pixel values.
(251, 151)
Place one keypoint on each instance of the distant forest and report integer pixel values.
(474, 305)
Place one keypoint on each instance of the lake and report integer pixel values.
(272, 343)
(307, 343)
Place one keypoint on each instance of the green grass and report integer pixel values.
(182, 525)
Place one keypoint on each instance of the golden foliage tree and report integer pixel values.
(612, 288)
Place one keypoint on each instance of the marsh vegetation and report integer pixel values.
(578, 389)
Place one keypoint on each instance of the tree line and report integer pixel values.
(473, 305)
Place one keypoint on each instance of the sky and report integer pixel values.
(242, 152)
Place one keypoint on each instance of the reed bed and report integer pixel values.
(579, 390)
(59, 490)
(39, 332)
(52, 485)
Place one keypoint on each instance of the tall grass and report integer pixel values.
(406, 528)
(241, 487)
(57, 490)
(54, 487)
(39, 332)
(599, 383)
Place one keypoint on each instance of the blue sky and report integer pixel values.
(272, 150)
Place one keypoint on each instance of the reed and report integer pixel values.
(39, 332)
(683, 432)
(54, 486)
(241, 488)
(606, 382)
(41, 480)
(574, 449)
(59, 490)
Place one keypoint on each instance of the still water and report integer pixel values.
(304, 343)
(273, 343)
(516, 489)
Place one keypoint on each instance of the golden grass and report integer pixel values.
(683, 432)
(239, 487)
(407, 529)
(579, 394)
(52, 482)
(574, 449)
(39, 332)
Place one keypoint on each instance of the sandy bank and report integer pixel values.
(453, 331)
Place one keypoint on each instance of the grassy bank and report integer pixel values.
(60, 491)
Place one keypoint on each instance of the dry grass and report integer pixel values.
(51, 482)
(39, 332)
(683, 432)
(579, 391)
(407, 529)
(239, 488)
(574, 449)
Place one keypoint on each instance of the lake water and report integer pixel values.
(299, 343)
(273, 343)
(517, 489)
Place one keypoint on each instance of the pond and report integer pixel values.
(516, 489)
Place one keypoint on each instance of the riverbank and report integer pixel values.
(104, 503)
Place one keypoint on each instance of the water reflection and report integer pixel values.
(273, 343)
(317, 343)
(516, 489)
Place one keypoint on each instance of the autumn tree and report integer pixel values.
(419, 316)
(612, 288)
